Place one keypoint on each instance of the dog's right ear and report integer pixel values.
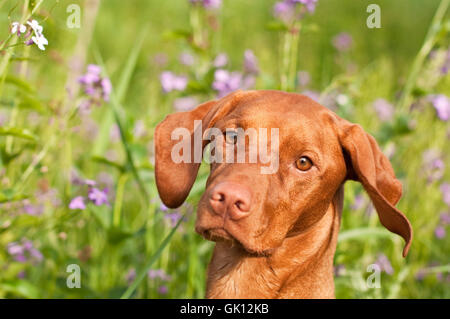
(174, 179)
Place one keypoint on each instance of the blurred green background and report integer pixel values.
(53, 149)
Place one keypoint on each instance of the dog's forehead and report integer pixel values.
(275, 108)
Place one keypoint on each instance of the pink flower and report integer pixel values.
(445, 190)
(77, 203)
(172, 82)
(185, 103)
(343, 41)
(442, 105)
(97, 196)
(384, 109)
(221, 60)
(439, 232)
(250, 62)
(226, 82)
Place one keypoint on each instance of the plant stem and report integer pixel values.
(155, 257)
(423, 53)
(119, 199)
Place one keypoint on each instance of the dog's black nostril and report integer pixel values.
(239, 204)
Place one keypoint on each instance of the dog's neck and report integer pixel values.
(232, 273)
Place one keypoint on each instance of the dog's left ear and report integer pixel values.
(368, 165)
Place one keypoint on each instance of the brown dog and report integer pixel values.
(276, 233)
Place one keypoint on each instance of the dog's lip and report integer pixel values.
(221, 234)
(216, 234)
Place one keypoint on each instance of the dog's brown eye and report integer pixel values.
(231, 137)
(304, 163)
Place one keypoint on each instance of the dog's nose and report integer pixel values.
(231, 199)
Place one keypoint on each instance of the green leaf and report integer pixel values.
(28, 101)
(8, 195)
(276, 26)
(19, 83)
(103, 160)
(20, 288)
(364, 233)
(18, 132)
(117, 235)
(177, 34)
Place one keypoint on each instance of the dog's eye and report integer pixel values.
(303, 163)
(231, 137)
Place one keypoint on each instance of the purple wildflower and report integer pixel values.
(185, 103)
(284, 10)
(384, 264)
(131, 275)
(446, 66)
(114, 133)
(97, 196)
(433, 165)
(287, 12)
(92, 75)
(97, 89)
(226, 82)
(208, 4)
(160, 59)
(310, 4)
(186, 59)
(90, 182)
(24, 251)
(158, 274)
(384, 109)
(171, 82)
(303, 78)
(445, 190)
(106, 88)
(77, 203)
(339, 270)
(163, 207)
(173, 218)
(33, 210)
(445, 217)
(313, 95)
(139, 129)
(250, 63)
(163, 290)
(358, 202)
(439, 232)
(420, 274)
(343, 41)
(442, 105)
(221, 60)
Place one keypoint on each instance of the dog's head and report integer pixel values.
(258, 203)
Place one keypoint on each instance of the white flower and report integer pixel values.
(18, 28)
(36, 27)
(40, 41)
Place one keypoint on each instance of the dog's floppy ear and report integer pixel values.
(368, 165)
(174, 180)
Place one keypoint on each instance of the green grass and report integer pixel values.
(44, 139)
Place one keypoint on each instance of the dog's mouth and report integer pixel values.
(222, 235)
(217, 234)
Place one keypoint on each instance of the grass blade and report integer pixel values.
(362, 233)
(152, 260)
(115, 106)
(120, 92)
